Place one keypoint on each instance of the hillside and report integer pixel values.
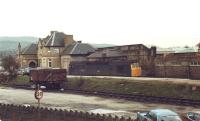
(11, 43)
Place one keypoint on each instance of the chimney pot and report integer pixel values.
(79, 41)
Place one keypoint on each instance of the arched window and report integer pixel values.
(32, 64)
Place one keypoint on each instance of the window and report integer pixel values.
(40, 62)
(54, 50)
(49, 63)
(195, 63)
(43, 60)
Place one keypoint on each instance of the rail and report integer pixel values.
(142, 98)
(132, 97)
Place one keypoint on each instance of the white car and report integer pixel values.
(193, 116)
(158, 115)
(24, 71)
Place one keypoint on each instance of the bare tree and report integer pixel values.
(10, 65)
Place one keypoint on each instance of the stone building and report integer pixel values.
(178, 65)
(56, 50)
(117, 61)
(137, 54)
(27, 57)
(59, 50)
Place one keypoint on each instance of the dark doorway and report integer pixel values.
(32, 64)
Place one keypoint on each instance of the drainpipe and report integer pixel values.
(188, 64)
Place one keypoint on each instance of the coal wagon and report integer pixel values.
(51, 78)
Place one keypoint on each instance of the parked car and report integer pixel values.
(24, 71)
(20, 72)
(27, 71)
(193, 116)
(158, 115)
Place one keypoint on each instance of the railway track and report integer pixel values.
(142, 98)
(132, 97)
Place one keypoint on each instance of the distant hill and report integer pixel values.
(11, 43)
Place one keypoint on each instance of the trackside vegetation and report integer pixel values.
(171, 88)
(133, 86)
(19, 80)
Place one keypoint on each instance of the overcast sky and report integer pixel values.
(151, 22)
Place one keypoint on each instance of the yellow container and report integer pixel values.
(136, 71)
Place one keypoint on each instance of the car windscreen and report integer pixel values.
(170, 118)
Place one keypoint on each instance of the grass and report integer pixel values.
(19, 80)
(128, 86)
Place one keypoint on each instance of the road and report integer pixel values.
(93, 104)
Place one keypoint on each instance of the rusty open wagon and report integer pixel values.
(51, 78)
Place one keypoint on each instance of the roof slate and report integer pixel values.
(177, 57)
(56, 39)
(114, 51)
(109, 53)
(78, 49)
(31, 49)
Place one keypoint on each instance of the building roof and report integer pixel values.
(30, 50)
(164, 50)
(124, 46)
(178, 57)
(106, 53)
(56, 39)
(177, 50)
(78, 48)
(115, 51)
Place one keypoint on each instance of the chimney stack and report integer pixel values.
(153, 51)
(79, 41)
(68, 39)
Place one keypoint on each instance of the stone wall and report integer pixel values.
(66, 59)
(24, 60)
(191, 72)
(22, 113)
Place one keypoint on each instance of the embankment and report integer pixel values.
(176, 88)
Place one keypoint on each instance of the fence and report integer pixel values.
(21, 113)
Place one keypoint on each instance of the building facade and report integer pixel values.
(178, 65)
(27, 57)
(56, 50)
(117, 61)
